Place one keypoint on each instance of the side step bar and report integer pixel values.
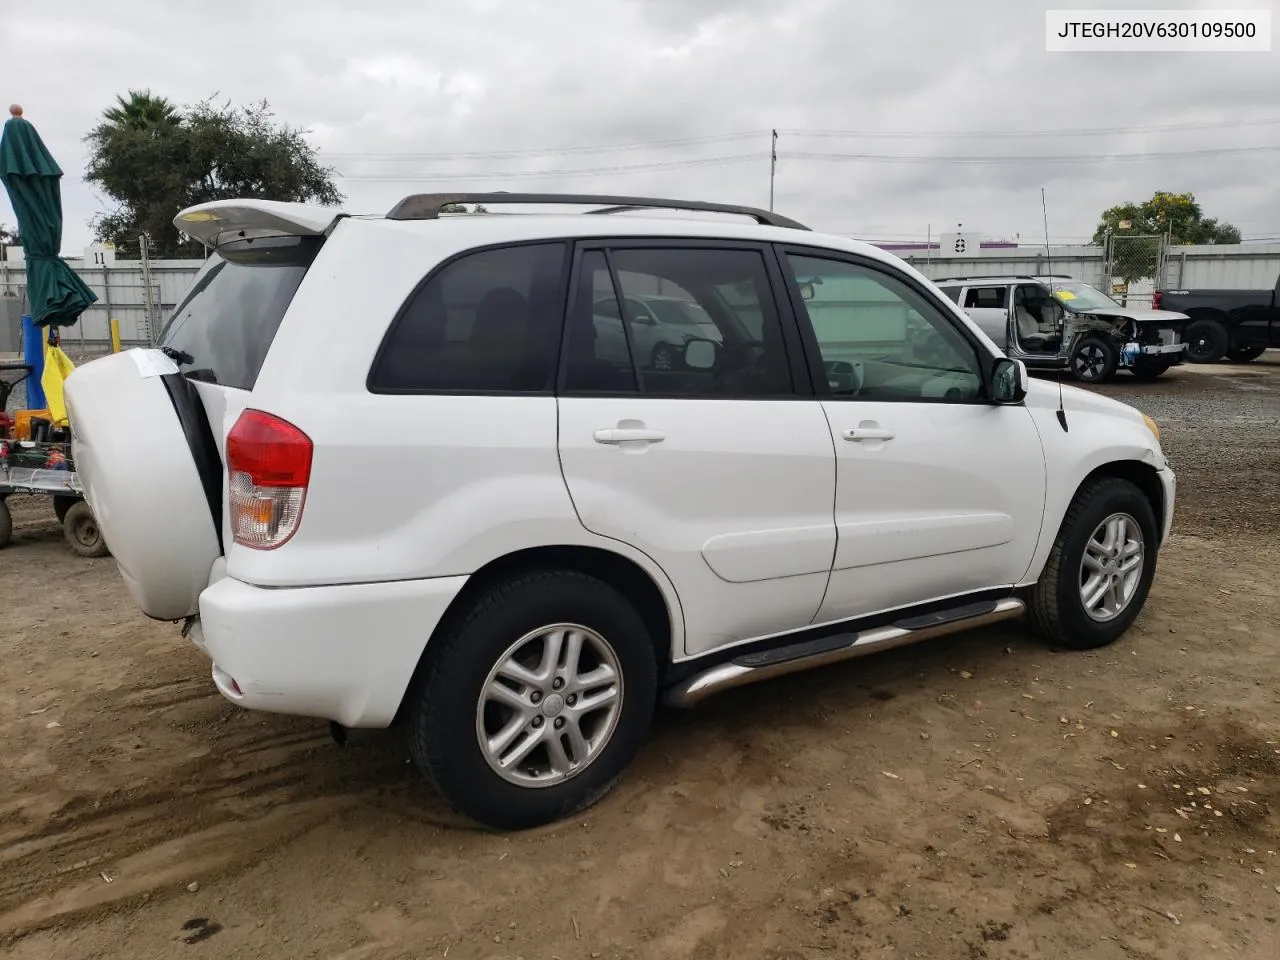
(808, 654)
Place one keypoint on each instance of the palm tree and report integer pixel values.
(139, 111)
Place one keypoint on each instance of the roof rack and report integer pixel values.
(428, 206)
(1006, 276)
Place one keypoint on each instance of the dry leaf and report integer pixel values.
(1177, 838)
(966, 675)
(891, 776)
(1115, 733)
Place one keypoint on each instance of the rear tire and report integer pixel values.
(6, 525)
(1083, 562)
(497, 681)
(1094, 360)
(1245, 354)
(1207, 341)
(82, 531)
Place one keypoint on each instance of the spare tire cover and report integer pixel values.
(136, 444)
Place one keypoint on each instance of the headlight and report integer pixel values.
(1152, 426)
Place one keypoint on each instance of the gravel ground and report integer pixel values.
(976, 798)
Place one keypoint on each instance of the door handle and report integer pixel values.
(857, 434)
(629, 435)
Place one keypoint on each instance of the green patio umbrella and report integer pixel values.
(58, 296)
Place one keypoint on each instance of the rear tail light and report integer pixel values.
(1157, 298)
(269, 468)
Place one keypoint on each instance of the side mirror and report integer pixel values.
(700, 354)
(1009, 381)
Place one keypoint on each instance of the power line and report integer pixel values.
(1041, 158)
(555, 151)
(1028, 134)
(794, 132)
(552, 174)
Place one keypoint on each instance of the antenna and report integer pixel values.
(1048, 259)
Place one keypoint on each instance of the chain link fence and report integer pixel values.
(1135, 267)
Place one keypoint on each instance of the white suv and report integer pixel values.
(380, 471)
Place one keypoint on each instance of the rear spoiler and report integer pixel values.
(222, 221)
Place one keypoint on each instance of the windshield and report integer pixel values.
(1081, 296)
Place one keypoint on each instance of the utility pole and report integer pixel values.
(773, 165)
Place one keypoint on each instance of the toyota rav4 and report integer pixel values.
(413, 468)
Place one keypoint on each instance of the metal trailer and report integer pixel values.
(43, 468)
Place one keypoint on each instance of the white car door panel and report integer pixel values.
(938, 493)
(734, 503)
(725, 477)
(951, 504)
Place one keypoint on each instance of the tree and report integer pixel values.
(9, 238)
(1175, 214)
(154, 160)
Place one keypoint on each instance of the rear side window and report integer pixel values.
(226, 322)
(989, 298)
(488, 321)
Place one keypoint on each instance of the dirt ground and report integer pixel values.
(976, 797)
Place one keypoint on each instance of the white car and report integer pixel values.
(379, 472)
(659, 328)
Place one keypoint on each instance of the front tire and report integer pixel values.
(534, 700)
(1095, 360)
(1100, 569)
(664, 357)
(1207, 341)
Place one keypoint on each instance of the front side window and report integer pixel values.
(488, 321)
(879, 338)
(672, 297)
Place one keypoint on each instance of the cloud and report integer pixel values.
(394, 91)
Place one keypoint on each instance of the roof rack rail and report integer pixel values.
(428, 206)
(1006, 276)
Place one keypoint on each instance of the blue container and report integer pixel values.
(33, 356)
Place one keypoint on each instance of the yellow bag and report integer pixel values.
(57, 367)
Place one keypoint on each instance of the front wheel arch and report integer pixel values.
(1141, 475)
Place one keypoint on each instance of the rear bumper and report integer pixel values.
(343, 653)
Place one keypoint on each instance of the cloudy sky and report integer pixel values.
(881, 105)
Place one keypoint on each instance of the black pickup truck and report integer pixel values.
(1236, 324)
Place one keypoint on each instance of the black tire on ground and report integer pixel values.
(1207, 341)
(6, 524)
(1056, 607)
(664, 357)
(82, 531)
(1094, 360)
(445, 718)
(61, 505)
(1245, 354)
(1144, 369)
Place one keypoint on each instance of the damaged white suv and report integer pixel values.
(406, 467)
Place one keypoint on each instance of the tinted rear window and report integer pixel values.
(229, 317)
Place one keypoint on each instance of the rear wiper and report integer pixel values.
(180, 357)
